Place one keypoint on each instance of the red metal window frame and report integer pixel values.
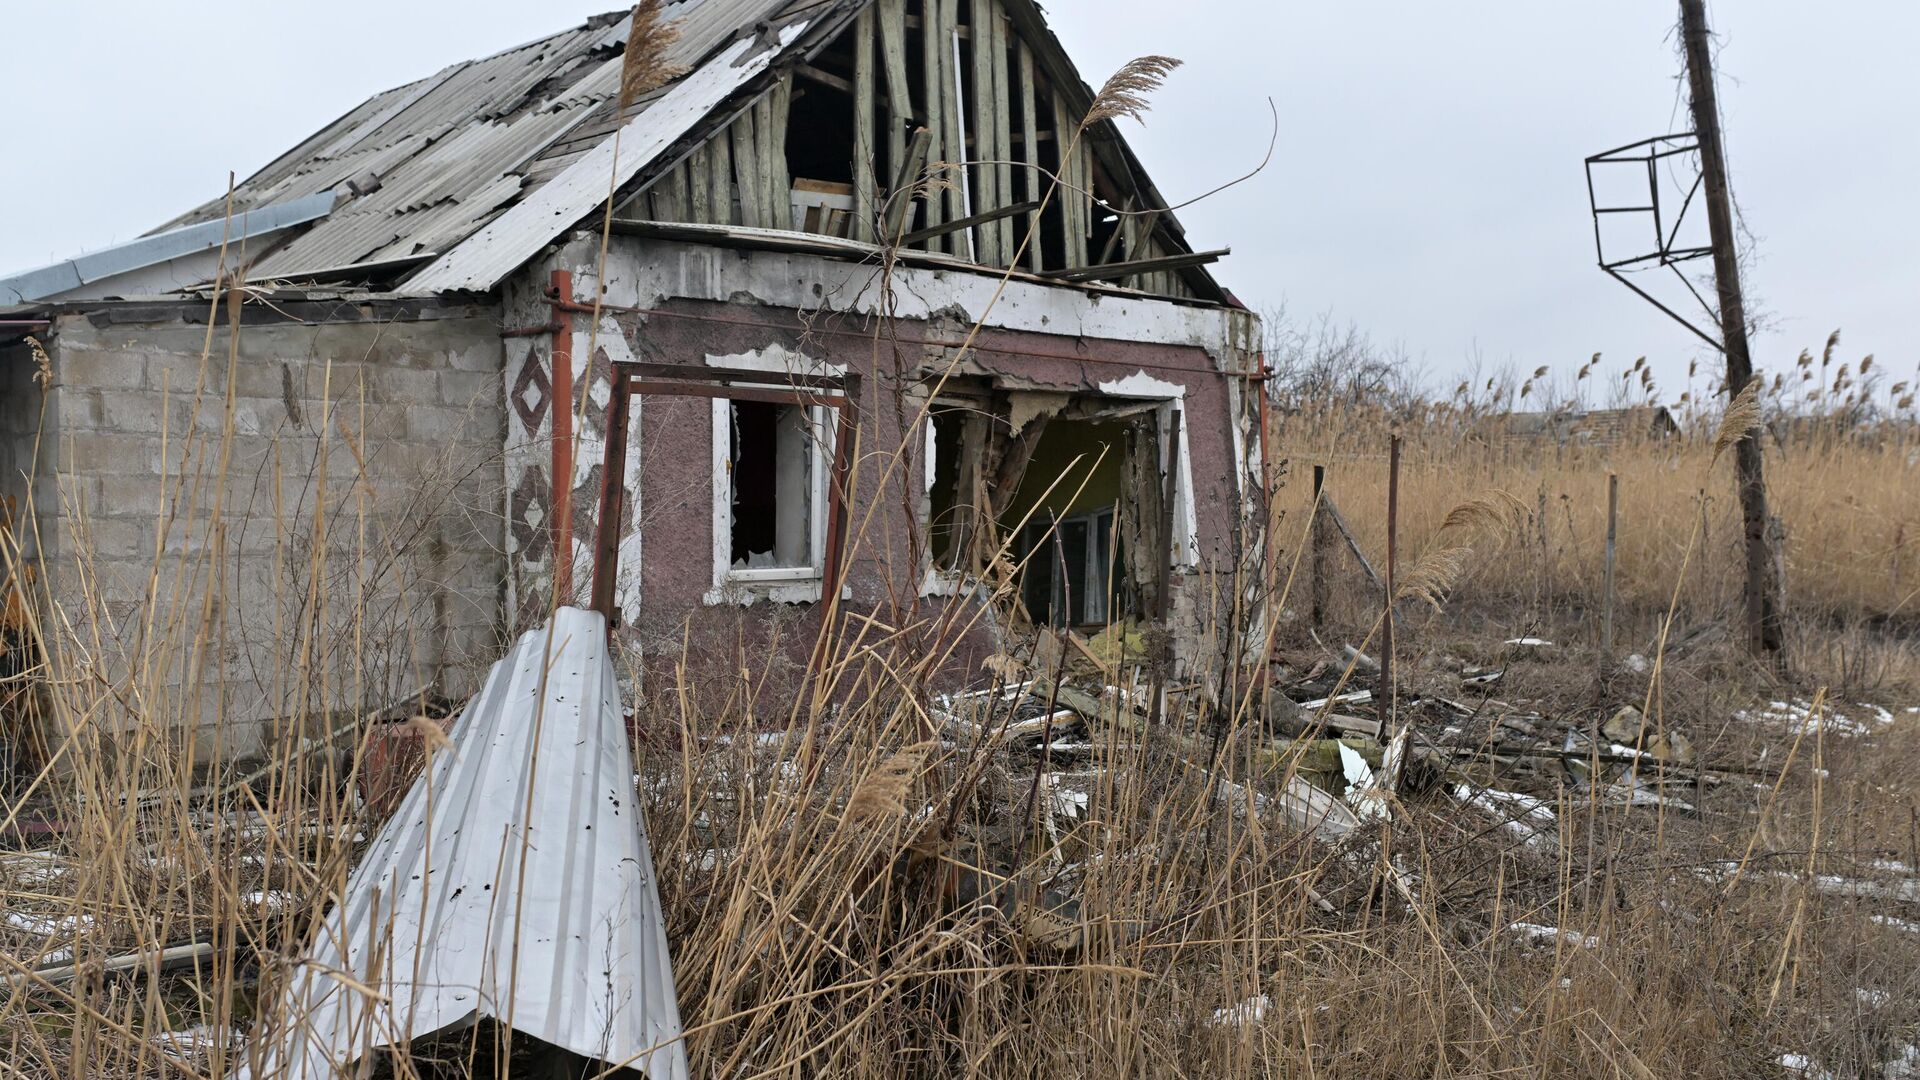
(836, 392)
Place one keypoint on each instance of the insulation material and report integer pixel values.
(1024, 406)
(515, 882)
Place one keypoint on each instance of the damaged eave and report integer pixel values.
(1086, 279)
(147, 251)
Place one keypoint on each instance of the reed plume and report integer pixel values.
(1125, 92)
(645, 66)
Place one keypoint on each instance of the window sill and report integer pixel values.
(746, 592)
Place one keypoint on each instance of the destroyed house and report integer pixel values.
(771, 288)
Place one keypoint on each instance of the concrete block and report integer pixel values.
(130, 497)
(109, 538)
(434, 424)
(481, 354)
(479, 390)
(119, 368)
(110, 452)
(140, 412)
(409, 385)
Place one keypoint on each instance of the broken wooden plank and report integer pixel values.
(893, 56)
(1138, 266)
(893, 61)
(1123, 227)
(1030, 153)
(900, 197)
(1340, 524)
(863, 144)
(970, 221)
(824, 78)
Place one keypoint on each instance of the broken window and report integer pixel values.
(776, 470)
(1069, 568)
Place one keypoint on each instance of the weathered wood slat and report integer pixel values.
(763, 155)
(700, 165)
(972, 221)
(932, 47)
(824, 78)
(1065, 197)
(893, 61)
(779, 180)
(986, 240)
(1153, 265)
(746, 172)
(1083, 199)
(1030, 153)
(1002, 128)
(720, 177)
(668, 191)
(952, 143)
(863, 144)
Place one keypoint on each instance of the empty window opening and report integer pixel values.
(1069, 562)
(774, 471)
(1063, 521)
(945, 501)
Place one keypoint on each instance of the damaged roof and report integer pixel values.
(452, 182)
(428, 164)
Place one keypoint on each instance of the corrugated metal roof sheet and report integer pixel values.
(453, 150)
(496, 250)
(514, 881)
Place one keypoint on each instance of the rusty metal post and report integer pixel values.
(1384, 696)
(561, 292)
(606, 551)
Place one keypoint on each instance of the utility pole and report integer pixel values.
(1766, 636)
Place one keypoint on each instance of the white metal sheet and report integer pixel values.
(515, 882)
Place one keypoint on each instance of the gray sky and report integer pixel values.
(1427, 184)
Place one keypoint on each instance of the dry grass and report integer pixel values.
(852, 899)
(879, 890)
(1850, 504)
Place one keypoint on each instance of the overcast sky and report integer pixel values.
(1427, 184)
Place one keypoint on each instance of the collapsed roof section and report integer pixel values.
(453, 182)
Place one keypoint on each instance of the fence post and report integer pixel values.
(1385, 694)
(1317, 541)
(1606, 601)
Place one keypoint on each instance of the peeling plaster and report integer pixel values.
(645, 275)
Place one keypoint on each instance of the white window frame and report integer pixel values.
(780, 584)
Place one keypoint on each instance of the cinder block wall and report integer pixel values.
(348, 528)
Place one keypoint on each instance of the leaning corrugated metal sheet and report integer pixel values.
(515, 882)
